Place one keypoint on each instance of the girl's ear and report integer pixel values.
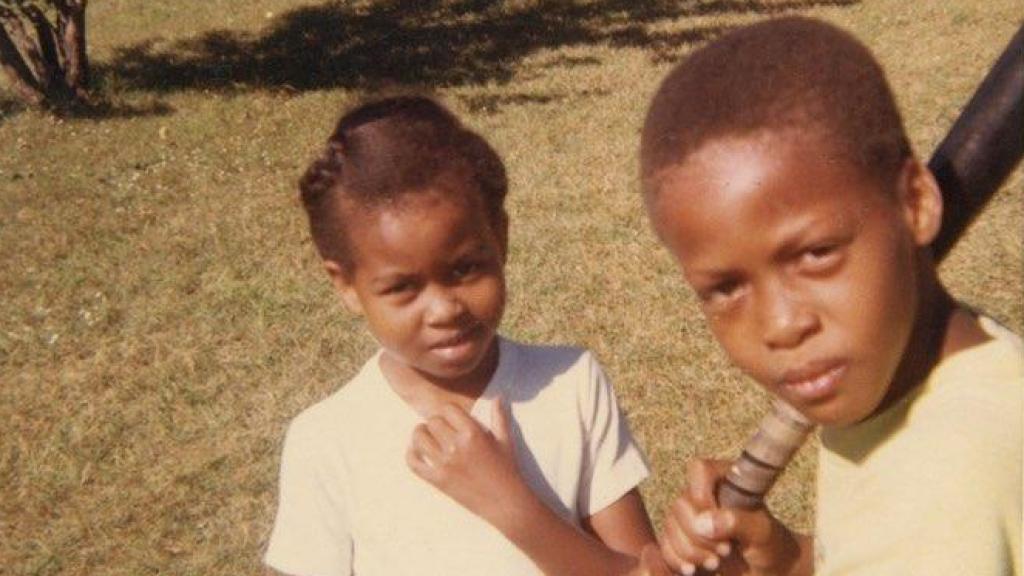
(342, 281)
(921, 201)
(502, 232)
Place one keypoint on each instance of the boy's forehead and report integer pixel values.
(741, 184)
(737, 162)
(721, 169)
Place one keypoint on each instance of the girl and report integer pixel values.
(395, 473)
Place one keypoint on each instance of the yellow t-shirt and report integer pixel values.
(933, 484)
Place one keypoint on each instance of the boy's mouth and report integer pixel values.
(815, 381)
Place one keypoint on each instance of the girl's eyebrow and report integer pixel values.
(387, 278)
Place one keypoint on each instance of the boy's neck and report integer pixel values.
(426, 394)
(942, 328)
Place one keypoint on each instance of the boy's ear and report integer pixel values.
(921, 200)
(343, 285)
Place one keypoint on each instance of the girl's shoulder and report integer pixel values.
(360, 396)
(545, 371)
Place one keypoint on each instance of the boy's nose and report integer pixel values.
(787, 321)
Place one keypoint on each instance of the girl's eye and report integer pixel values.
(398, 288)
(820, 258)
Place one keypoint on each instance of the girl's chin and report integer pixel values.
(461, 361)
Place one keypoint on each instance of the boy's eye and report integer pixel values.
(722, 292)
(464, 269)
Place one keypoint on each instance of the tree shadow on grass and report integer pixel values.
(435, 43)
(96, 111)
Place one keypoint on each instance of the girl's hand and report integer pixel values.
(697, 534)
(478, 469)
(475, 467)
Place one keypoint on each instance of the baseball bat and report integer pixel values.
(979, 152)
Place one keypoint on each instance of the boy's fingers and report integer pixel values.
(675, 546)
(679, 544)
(702, 477)
(669, 554)
(752, 528)
(651, 562)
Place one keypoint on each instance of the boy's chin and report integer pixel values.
(835, 414)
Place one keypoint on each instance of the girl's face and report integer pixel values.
(428, 277)
(804, 266)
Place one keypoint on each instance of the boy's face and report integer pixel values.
(428, 277)
(804, 268)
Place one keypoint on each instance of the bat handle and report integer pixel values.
(781, 433)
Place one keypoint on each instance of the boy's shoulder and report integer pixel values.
(991, 370)
(972, 400)
(967, 404)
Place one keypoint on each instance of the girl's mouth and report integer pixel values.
(458, 347)
(461, 337)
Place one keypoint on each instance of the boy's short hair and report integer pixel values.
(790, 73)
(384, 149)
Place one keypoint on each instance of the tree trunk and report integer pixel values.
(72, 36)
(45, 62)
(17, 71)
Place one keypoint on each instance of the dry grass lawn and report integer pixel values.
(162, 312)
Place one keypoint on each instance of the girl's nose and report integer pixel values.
(444, 308)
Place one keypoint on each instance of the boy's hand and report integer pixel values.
(651, 563)
(475, 467)
(699, 534)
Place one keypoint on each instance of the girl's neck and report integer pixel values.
(426, 393)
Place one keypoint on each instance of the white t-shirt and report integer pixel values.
(349, 504)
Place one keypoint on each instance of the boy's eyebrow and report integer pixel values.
(473, 248)
(794, 236)
(710, 275)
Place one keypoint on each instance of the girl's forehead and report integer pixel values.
(412, 204)
(411, 216)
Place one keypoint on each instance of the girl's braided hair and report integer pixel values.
(384, 149)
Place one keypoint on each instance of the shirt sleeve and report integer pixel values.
(311, 535)
(613, 463)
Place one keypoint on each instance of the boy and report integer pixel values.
(777, 171)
